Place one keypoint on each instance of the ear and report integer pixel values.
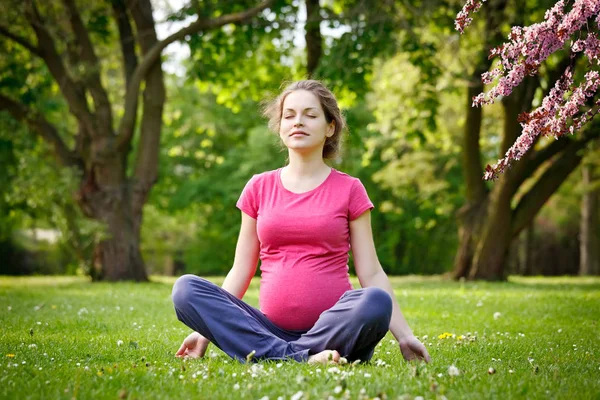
(331, 129)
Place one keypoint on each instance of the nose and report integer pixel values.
(298, 121)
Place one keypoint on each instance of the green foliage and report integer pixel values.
(243, 62)
(39, 194)
(368, 32)
(208, 155)
(60, 338)
(413, 165)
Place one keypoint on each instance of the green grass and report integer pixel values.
(63, 333)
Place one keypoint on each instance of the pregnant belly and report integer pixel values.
(294, 301)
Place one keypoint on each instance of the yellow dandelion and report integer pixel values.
(10, 355)
(99, 373)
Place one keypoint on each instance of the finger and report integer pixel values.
(181, 350)
(425, 356)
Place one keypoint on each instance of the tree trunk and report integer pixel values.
(470, 218)
(471, 214)
(489, 235)
(493, 245)
(589, 240)
(314, 40)
(120, 253)
(106, 196)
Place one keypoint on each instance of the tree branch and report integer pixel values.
(550, 181)
(538, 158)
(126, 38)
(40, 125)
(126, 128)
(75, 98)
(532, 160)
(20, 40)
(519, 101)
(92, 69)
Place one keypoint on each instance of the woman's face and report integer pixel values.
(303, 126)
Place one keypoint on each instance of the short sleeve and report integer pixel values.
(248, 201)
(359, 200)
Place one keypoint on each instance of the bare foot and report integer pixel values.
(325, 357)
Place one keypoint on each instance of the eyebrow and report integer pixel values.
(308, 108)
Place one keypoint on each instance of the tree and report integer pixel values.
(523, 55)
(589, 234)
(113, 188)
(491, 218)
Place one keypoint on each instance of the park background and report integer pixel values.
(94, 183)
(128, 129)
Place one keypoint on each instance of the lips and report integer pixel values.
(299, 133)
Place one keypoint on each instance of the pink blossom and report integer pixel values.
(555, 117)
(529, 46)
(489, 76)
(592, 46)
(463, 18)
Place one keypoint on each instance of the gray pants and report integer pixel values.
(353, 326)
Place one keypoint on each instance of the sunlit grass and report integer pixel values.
(63, 337)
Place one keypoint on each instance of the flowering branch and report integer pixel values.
(463, 19)
(523, 55)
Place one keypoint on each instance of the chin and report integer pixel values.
(303, 147)
(300, 149)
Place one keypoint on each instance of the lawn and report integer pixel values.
(533, 338)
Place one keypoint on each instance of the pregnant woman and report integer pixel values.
(301, 221)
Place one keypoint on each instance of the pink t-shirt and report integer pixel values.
(304, 243)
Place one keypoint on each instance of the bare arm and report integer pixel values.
(370, 273)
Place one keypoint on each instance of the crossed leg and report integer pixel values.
(232, 325)
(351, 328)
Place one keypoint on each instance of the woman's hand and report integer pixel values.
(194, 346)
(413, 349)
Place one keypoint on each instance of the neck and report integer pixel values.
(306, 164)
